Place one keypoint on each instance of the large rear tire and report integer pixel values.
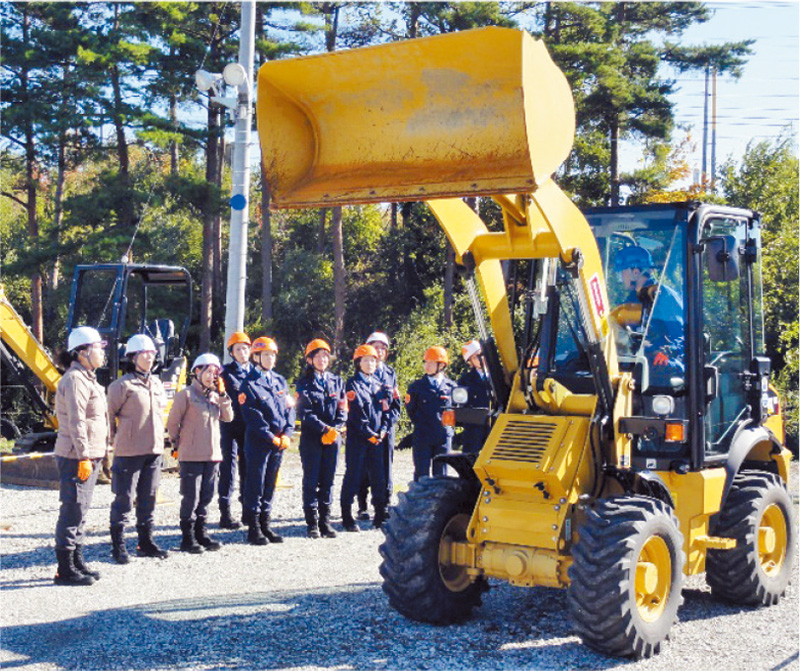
(758, 514)
(432, 512)
(626, 576)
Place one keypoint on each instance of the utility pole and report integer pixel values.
(704, 173)
(714, 129)
(240, 193)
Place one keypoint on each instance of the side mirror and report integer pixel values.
(722, 258)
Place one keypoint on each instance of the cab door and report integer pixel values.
(728, 325)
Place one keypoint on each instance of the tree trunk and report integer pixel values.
(37, 327)
(218, 317)
(393, 220)
(323, 216)
(173, 144)
(339, 279)
(614, 161)
(449, 275)
(266, 252)
(123, 157)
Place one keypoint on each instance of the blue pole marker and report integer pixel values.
(238, 202)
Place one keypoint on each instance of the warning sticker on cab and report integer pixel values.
(597, 296)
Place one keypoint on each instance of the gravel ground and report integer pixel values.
(310, 605)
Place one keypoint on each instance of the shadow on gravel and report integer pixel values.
(345, 627)
(700, 605)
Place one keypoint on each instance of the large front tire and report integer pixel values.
(758, 514)
(434, 511)
(626, 576)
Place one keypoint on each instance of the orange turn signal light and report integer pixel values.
(449, 418)
(674, 432)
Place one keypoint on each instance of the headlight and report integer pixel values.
(460, 395)
(663, 405)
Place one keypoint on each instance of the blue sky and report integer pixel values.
(764, 102)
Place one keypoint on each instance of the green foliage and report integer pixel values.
(766, 180)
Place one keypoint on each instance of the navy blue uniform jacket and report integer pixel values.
(321, 404)
(425, 400)
(267, 407)
(234, 375)
(365, 415)
(389, 395)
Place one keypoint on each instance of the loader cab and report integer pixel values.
(691, 332)
(120, 300)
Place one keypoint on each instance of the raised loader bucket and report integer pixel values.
(476, 112)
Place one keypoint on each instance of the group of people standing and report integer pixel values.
(237, 420)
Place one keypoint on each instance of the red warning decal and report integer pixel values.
(597, 295)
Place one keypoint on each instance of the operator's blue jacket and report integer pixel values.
(365, 415)
(389, 396)
(321, 404)
(477, 386)
(426, 399)
(234, 376)
(267, 407)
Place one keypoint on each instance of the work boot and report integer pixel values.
(200, 534)
(80, 565)
(67, 574)
(363, 513)
(380, 517)
(147, 546)
(189, 543)
(270, 535)
(348, 523)
(225, 519)
(118, 549)
(325, 527)
(254, 535)
(312, 523)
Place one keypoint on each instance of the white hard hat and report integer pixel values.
(206, 360)
(378, 337)
(140, 343)
(83, 335)
(469, 350)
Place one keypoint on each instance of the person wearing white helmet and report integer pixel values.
(477, 385)
(193, 427)
(81, 443)
(390, 401)
(136, 404)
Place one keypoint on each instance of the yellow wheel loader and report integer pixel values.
(634, 438)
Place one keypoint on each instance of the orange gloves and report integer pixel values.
(174, 454)
(660, 359)
(276, 441)
(375, 440)
(84, 469)
(330, 436)
(285, 442)
(221, 386)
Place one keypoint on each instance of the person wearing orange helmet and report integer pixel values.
(322, 410)
(425, 400)
(366, 430)
(268, 412)
(233, 462)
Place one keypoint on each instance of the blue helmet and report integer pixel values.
(632, 256)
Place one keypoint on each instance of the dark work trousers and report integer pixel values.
(135, 478)
(262, 474)
(360, 457)
(388, 459)
(319, 468)
(76, 499)
(233, 461)
(424, 451)
(198, 482)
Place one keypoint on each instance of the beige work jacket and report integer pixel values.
(82, 415)
(193, 423)
(136, 409)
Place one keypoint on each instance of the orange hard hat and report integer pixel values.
(237, 337)
(437, 354)
(264, 344)
(364, 350)
(317, 343)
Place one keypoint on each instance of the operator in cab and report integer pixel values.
(657, 314)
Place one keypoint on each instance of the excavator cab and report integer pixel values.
(122, 299)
